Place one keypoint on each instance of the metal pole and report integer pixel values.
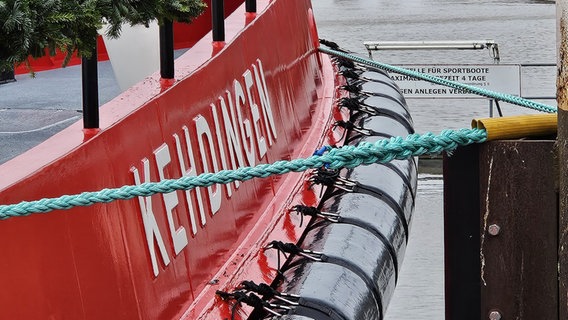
(250, 11)
(218, 16)
(90, 83)
(250, 5)
(498, 108)
(7, 76)
(167, 50)
(562, 99)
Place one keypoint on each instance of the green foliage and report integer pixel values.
(37, 27)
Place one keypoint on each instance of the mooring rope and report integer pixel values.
(344, 157)
(452, 84)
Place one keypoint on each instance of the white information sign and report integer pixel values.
(496, 77)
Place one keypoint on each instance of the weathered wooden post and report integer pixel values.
(562, 141)
(501, 231)
(505, 219)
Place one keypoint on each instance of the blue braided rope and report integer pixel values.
(347, 156)
(452, 84)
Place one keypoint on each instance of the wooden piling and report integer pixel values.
(501, 231)
(562, 143)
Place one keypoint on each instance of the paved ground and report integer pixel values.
(33, 109)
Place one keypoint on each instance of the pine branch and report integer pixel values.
(38, 27)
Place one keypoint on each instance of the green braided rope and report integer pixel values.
(347, 156)
(452, 84)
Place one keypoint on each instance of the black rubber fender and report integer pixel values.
(374, 215)
(407, 168)
(377, 75)
(386, 102)
(329, 292)
(366, 111)
(383, 182)
(385, 126)
(294, 317)
(382, 89)
(358, 235)
(358, 250)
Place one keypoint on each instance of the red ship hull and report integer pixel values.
(266, 96)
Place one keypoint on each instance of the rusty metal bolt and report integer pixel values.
(494, 315)
(494, 229)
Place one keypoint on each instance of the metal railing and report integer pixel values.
(489, 44)
(90, 89)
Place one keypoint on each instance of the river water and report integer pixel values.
(525, 32)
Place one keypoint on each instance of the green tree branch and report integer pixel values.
(39, 27)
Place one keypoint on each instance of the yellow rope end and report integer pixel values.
(516, 127)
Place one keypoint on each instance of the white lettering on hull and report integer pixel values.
(232, 133)
(243, 136)
(244, 124)
(149, 220)
(264, 101)
(204, 132)
(191, 172)
(260, 141)
(220, 145)
(179, 237)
